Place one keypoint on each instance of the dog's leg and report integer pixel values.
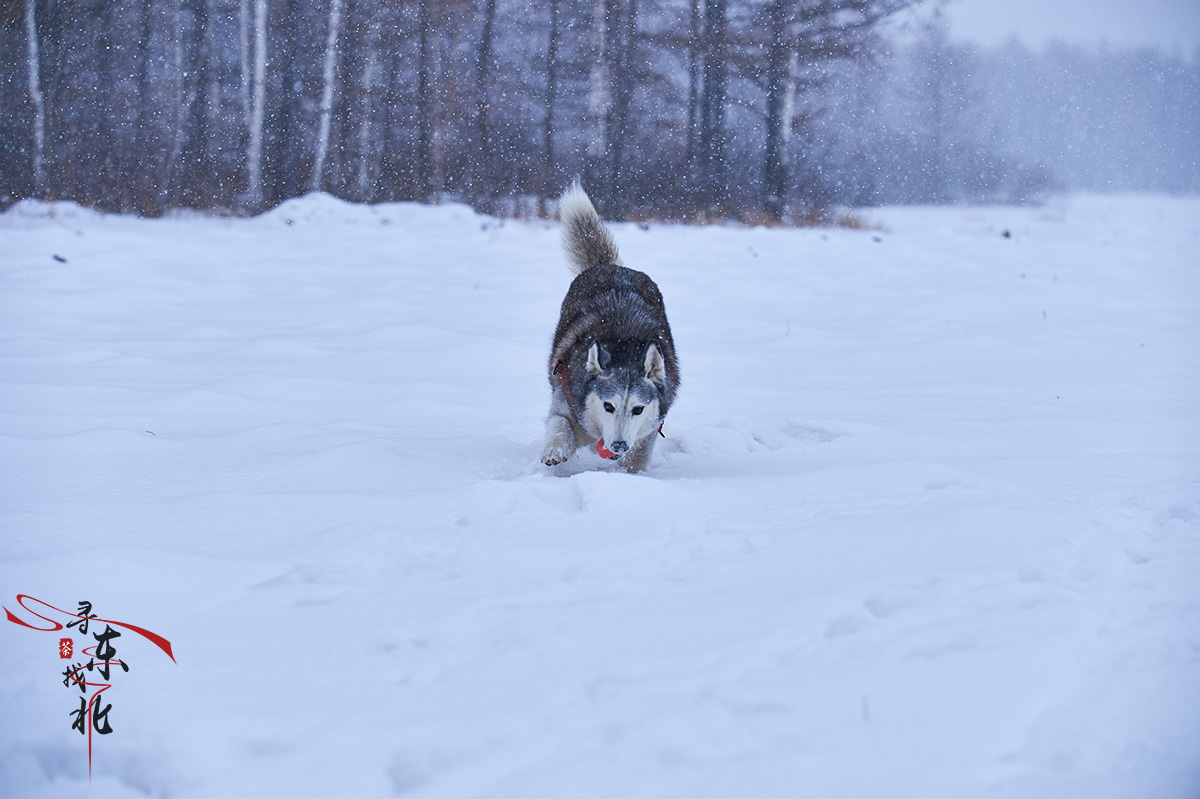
(560, 440)
(560, 431)
(639, 454)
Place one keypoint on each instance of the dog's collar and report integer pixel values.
(560, 369)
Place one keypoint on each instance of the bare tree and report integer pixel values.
(482, 163)
(243, 53)
(695, 87)
(149, 124)
(39, 105)
(623, 20)
(780, 76)
(181, 95)
(364, 189)
(331, 41)
(193, 178)
(254, 198)
(549, 173)
(711, 160)
(424, 154)
(610, 95)
(794, 32)
(290, 127)
(599, 86)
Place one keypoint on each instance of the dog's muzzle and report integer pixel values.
(619, 449)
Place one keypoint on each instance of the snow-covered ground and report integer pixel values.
(926, 522)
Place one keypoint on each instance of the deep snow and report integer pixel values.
(926, 522)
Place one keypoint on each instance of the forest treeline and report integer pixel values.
(772, 109)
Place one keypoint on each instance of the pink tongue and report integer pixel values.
(604, 453)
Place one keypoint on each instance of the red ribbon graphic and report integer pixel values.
(154, 638)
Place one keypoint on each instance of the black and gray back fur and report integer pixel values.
(613, 369)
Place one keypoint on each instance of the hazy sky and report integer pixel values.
(1125, 23)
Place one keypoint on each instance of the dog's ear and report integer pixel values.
(598, 359)
(656, 367)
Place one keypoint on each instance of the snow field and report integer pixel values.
(925, 522)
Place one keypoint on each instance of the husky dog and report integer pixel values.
(613, 371)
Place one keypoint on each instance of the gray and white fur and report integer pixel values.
(613, 370)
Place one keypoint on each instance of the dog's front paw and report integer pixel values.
(555, 453)
(560, 442)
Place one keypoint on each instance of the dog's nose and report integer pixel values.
(619, 447)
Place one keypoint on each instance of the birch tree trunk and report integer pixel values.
(254, 189)
(599, 93)
(335, 23)
(39, 105)
(364, 185)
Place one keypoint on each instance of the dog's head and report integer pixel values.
(624, 390)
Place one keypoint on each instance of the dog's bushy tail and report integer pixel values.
(586, 241)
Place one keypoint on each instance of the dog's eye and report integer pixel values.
(637, 410)
(608, 406)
